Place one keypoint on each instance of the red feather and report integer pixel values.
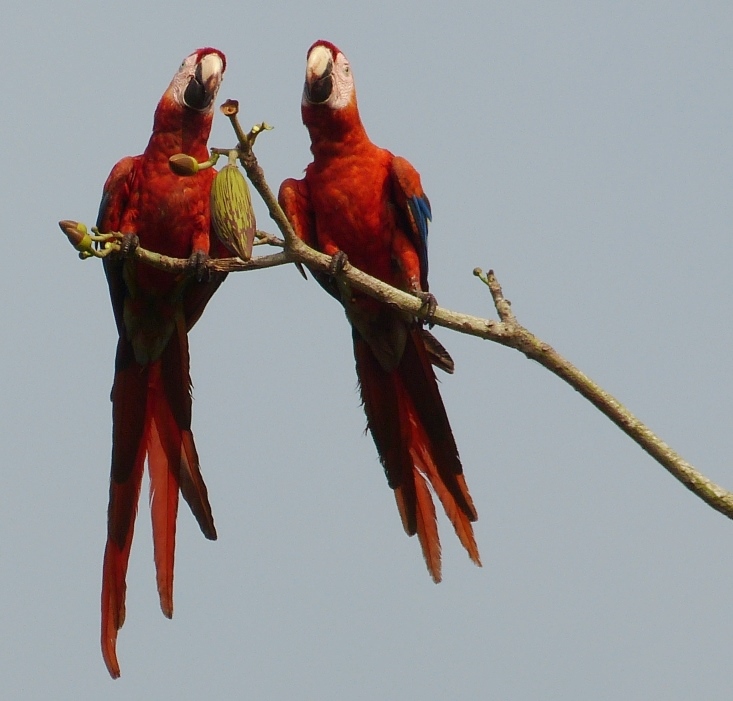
(323, 42)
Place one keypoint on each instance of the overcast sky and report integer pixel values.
(583, 150)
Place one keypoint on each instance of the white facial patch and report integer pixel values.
(189, 61)
(343, 84)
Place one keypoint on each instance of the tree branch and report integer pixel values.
(507, 330)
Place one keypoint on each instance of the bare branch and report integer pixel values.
(506, 331)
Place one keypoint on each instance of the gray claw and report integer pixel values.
(128, 244)
(429, 303)
(197, 264)
(338, 263)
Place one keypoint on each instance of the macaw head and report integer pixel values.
(197, 81)
(328, 78)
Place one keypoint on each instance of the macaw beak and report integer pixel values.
(204, 84)
(318, 76)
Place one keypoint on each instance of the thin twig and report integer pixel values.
(264, 238)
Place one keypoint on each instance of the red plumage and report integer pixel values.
(154, 310)
(361, 200)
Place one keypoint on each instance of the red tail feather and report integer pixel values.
(129, 409)
(407, 419)
(114, 588)
(152, 415)
(164, 460)
(427, 526)
(460, 520)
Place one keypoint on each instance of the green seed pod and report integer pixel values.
(231, 211)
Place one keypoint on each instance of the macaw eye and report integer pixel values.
(347, 69)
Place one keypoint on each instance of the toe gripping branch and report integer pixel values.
(429, 305)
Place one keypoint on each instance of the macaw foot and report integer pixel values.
(429, 304)
(197, 265)
(338, 263)
(128, 244)
(339, 260)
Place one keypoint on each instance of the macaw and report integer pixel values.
(360, 203)
(154, 310)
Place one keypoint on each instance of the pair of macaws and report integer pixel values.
(356, 202)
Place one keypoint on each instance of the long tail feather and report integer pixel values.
(410, 427)
(177, 384)
(164, 458)
(114, 570)
(151, 407)
(459, 519)
(416, 373)
(129, 409)
(427, 527)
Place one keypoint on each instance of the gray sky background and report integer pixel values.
(585, 152)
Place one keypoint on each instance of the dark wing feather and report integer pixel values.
(115, 199)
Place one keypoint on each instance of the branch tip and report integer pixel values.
(230, 108)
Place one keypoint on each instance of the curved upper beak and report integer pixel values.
(318, 75)
(204, 84)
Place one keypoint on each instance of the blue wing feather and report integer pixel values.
(420, 210)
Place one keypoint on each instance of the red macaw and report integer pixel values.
(154, 310)
(360, 201)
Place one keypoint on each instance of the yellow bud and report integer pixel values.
(77, 234)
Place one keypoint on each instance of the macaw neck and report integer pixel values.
(179, 130)
(334, 130)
